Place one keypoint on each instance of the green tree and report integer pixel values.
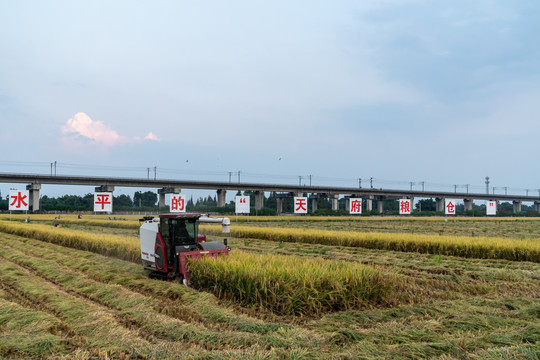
(190, 204)
(122, 201)
(426, 205)
(145, 199)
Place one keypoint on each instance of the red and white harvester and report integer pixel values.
(169, 239)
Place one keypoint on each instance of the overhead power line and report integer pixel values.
(362, 180)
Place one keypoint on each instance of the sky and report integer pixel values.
(440, 92)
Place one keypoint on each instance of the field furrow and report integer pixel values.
(158, 322)
(174, 298)
(59, 300)
(27, 332)
(99, 327)
(131, 309)
(446, 327)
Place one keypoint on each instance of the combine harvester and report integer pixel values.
(168, 240)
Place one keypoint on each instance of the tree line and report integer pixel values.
(147, 201)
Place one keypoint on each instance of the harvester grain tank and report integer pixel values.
(167, 241)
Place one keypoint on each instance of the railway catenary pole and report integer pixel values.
(267, 187)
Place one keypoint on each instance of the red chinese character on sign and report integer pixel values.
(242, 200)
(103, 199)
(405, 207)
(301, 205)
(19, 199)
(356, 206)
(451, 207)
(177, 203)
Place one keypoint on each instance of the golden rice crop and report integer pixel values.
(464, 246)
(283, 284)
(290, 284)
(354, 218)
(122, 247)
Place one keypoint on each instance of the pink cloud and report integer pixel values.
(81, 125)
(151, 136)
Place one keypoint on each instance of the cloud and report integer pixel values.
(151, 136)
(82, 126)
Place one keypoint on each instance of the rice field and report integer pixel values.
(287, 291)
(290, 285)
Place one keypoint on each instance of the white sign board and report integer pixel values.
(300, 205)
(355, 206)
(491, 208)
(103, 202)
(241, 205)
(405, 206)
(19, 200)
(178, 203)
(450, 207)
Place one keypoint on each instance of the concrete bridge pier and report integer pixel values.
(369, 203)
(105, 188)
(439, 204)
(380, 206)
(279, 201)
(279, 205)
(335, 202)
(34, 196)
(537, 206)
(167, 190)
(314, 204)
(517, 206)
(468, 203)
(221, 197)
(259, 199)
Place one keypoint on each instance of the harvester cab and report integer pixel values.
(167, 241)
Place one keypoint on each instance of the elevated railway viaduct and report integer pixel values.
(167, 186)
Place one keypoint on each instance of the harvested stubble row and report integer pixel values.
(463, 246)
(283, 284)
(292, 285)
